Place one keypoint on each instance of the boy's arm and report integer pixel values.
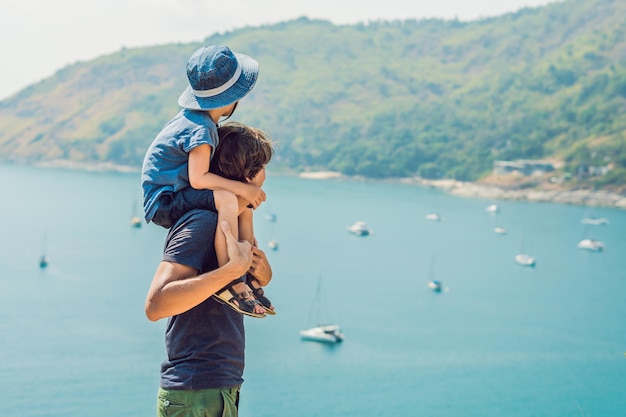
(200, 178)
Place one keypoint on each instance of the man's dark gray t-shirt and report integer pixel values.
(205, 345)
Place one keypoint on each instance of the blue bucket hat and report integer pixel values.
(217, 78)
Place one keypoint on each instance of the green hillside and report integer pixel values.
(434, 98)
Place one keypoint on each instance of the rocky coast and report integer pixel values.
(584, 197)
(543, 192)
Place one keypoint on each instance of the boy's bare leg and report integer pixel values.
(246, 232)
(227, 206)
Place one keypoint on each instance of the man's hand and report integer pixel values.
(253, 195)
(239, 253)
(260, 268)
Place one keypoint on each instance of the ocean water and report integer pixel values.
(501, 340)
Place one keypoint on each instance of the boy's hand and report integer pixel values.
(253, 195)
(260, 268)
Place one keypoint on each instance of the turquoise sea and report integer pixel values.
(501, 340)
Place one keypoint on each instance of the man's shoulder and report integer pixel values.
(190, 241)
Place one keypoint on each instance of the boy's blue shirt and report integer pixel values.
(165, 165)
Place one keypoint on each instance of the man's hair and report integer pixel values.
(241, 153)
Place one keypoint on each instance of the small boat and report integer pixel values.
(273, 244)
(595, 221)
(591, 245)
(436, 217)
(492, 209)
(43, 260)
(500, 230)
(324, 334)
(135, 222)
(435, 285)
(525, 260)
(360, 229)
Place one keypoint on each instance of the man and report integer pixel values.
(205, 339)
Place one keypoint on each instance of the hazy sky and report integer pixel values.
(38, 37)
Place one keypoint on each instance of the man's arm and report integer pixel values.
(177, 288)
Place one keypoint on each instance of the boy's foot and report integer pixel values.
(259, 294)
(238, 296)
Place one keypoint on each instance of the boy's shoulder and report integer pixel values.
(189, 125)
(201, 118)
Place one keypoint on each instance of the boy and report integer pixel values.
(242, 155)
(175, 174)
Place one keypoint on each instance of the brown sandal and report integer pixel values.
(259, 294)
(238, 301)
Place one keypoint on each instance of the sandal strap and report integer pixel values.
(229, 286)
(245, 294)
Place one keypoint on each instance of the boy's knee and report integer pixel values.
(225, 200)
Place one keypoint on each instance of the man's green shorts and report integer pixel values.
(198, 403)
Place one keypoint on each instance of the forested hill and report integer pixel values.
(434, 98)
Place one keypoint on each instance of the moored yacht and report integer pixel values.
(591, 245)
(525, 260)
(326, 334)
(360, 229)
(595, 221)
(135, 222)
(492, 209)
(436, 217)
(435, 285)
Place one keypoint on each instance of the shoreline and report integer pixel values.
(579, 197)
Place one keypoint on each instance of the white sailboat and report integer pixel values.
(595, 221)
(592, 220)
(323, 333)
(492, 209)
(436, 217)
(135, 221)
(273, 243)
(588, 244)
(434, 284)
(591, 245)
(43, 260)
(494, 212)
(360, 228)
(524, 259)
